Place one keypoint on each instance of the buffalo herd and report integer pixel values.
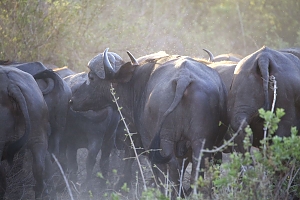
(176, 105)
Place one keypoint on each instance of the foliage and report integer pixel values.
(273, 175)
(263, 175)
(152, 193)
(71, 32)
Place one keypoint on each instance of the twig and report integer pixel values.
(167, 181)
(136, 185)
(127, 130)
(198, 168)
(155, 180)
(272, 80)
(292, 178)
(181, 178)
(225, 145)
(65, 178)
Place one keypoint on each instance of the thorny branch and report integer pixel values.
(115, 100)
(219, 149)
(64, 176)
(274, 87)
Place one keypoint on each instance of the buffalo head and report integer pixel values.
(105, 69)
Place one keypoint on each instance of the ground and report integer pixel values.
(20, 180)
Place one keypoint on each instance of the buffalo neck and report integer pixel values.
(132, 94)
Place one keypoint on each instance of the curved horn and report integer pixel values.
(211, 56)
(132, 58)
(109, 70)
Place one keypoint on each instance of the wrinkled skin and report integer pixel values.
(57, 95)
(93, 129)
(167, 99)
(225, 70)
(294, 51)
(251, 91)
(87, 128)
(57, 101)
(64, 72)
(122, 142)
(17, 115)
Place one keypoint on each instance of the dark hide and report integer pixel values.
(251, 91)
(64, 72)
(121, 141)
(295, 51)
(31, 67)
(153, 56)
(57, 95)
(168, 99)
(57, 101)
(24, 122)
(93, 129)
(225, 70)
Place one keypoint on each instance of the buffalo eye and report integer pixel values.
(91, 77)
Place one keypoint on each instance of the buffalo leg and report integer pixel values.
(54, 142)
(93, 150)
(38, 168)
(49, 175)
(2, 182)
(72, 162)
(171, 168)
(197, 147)
(104, 160)
(63, 155)
(126, 175)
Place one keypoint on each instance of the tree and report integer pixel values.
(71, 32)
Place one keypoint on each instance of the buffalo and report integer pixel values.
(93, 129)
(56, 94)
(24, 123)
(167, 99)
(224, 64)
(251, 90)
(225, 70)
(57, 98)
(64, 71)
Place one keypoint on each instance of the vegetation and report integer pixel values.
(269, 173)
(262, 175)
(71, 32)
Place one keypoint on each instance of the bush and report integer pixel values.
(71, 32)
(269, 173)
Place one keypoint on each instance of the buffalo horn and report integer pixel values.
(211, 56)
(133, 60)
(109, 71)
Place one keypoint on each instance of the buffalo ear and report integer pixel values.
(124, 74)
